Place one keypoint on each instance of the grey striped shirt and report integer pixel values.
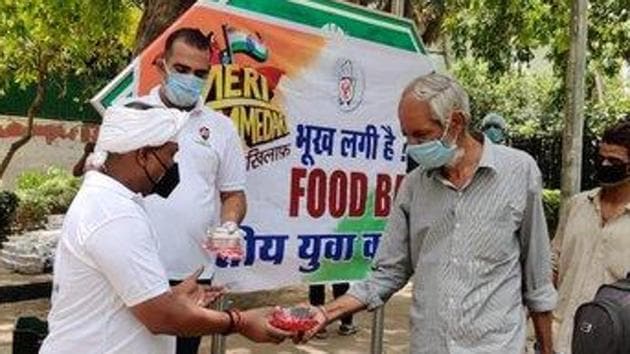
(476, 256)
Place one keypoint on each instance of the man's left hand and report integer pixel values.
(201, 295)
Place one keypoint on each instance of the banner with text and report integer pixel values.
(312, 88)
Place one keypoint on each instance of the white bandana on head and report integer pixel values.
(126, 129)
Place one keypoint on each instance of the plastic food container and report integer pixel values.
(225, 245)
(294, 319)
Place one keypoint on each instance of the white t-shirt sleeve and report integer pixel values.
(125, 251)
(232, 168)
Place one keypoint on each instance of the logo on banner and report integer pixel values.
(350, 85)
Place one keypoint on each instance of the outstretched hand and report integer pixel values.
(256, 327)
(201, 295)
(322, 320)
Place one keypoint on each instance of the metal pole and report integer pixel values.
(218, 340)
(378, 326)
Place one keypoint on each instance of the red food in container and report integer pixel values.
(295, 319)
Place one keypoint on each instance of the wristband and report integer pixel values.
(230, 327)
(236, 321)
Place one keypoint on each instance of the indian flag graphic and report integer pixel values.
(243, 42)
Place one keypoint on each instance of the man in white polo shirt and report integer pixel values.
(111, 293)
(212, 167)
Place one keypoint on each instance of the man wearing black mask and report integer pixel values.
(592, 244)
(110, 289)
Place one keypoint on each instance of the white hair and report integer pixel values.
(443, 94)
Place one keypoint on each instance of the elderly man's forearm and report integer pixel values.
(542, 327)
(342, 306)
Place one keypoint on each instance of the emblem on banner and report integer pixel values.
(350, 85)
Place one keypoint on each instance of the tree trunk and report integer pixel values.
(158, 15)
(33, 110)
(574, 111)
(447, 54)
(382, 5)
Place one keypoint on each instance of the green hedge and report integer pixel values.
(551, 203)
(42, 194)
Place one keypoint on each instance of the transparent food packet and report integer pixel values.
(224, 244)
(293, 319)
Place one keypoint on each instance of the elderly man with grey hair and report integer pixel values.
(467, 228)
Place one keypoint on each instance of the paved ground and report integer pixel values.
(396, 337)
(396, 324)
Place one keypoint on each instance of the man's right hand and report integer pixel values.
(340, 307)
(322, 319)
(255, 326)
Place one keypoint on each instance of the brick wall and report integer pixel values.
(54, 142)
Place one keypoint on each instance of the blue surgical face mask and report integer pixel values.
(432, 154)
(495, 135)
(183, 90)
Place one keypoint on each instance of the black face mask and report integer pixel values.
(169, 181)
(610, 175)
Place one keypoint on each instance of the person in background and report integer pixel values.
(467, 228)
(592, 243)
(82, 165)
(110, 289)
(211, 193)
(494, 127)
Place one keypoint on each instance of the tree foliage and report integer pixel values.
(64, 37)
(157, 15)
(531, 100)
(503, 32)
(526, 99)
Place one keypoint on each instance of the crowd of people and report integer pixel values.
(467, 228)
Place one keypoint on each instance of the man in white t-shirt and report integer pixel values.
(110, 292)
(212, 167)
